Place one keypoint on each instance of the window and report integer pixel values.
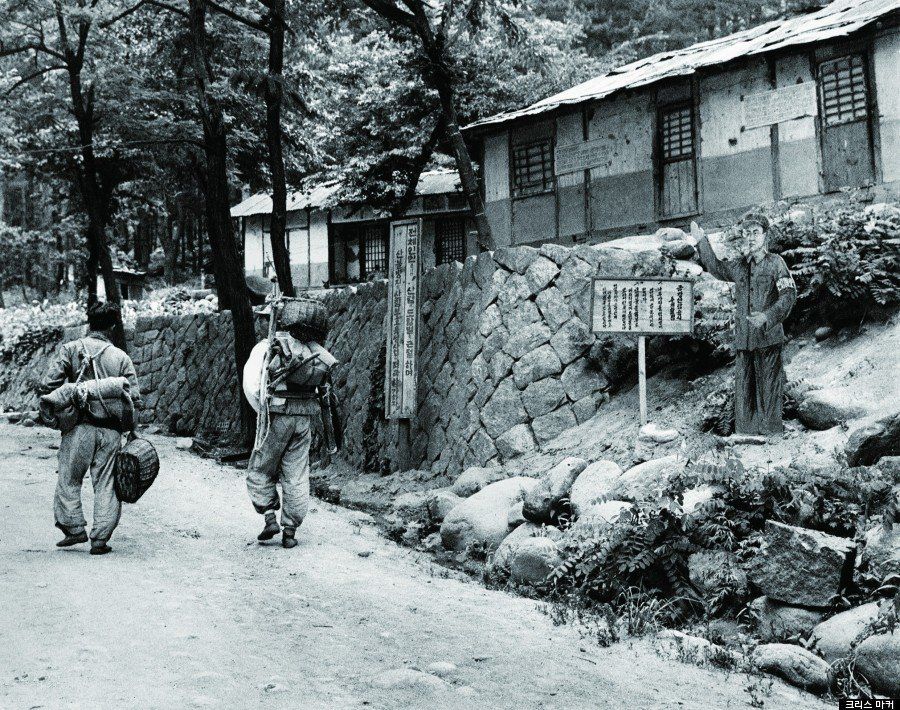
(843, 83)
(532, 165)
(676, 159)
(374, 248)
(449, 241)
(433, 203)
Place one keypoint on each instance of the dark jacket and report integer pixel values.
(765, 287)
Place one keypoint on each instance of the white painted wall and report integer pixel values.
(887, 83)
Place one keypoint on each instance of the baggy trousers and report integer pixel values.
(282, 457)
(87, 447)
(758, 391)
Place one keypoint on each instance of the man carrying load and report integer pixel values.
(286, 379)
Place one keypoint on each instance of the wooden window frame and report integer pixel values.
(364, 268)
(548, 178)
(439, 255)
(866, 98)
(659, 161)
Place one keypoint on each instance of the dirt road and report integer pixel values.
(189, 611)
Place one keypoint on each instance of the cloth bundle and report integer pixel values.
(104, 403)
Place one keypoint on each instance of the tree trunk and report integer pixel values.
(170, 249)
(274, 95)
(230, 284)
(409, 194)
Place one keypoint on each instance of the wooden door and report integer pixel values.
(677, 165)
(847, 159)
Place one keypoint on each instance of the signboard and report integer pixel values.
(401, 367)
(581, 156)
(651, 306)
(782, 104)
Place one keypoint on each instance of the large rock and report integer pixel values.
(412, 506)
(551, 425)
(441, 502)
(869, 443)
(776, 621)
(518, 440)
(504, 409)
(794, 664)
(834, 637)
(536, 365)
(532, 560)
(646, 480)
(499, 564)
(552, 487)
(882, 550)
(543, 397)
(800, 566)
(878, 659)
(823, 409)
(592, 485)
(598, 516)
(474, 479)
(482, 518)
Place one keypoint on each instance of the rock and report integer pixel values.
(184, 443)
(678, 645)
(776, 621)
(747, 440)
(554, 485)
(800, 566)
(440, 502)
(592, 485)
(870, 442)
(518, 440)
(482, 518)
(657, 434)
(441, 669)
(823, 409)
(581, 379)
(543, 396)
(412, 506)
(549, 426)
(646, 480)
(834, 637)
(823, 333)
(27, 422)
(504, 409)
(794, 664)
(432, 543)
(680, 249)
(498, 566)
(670, 234)
(878, 659)
(532, 560)
(408, 678)
(526, 339)
(540, 273)
(514, 517)
(696, 497)
(710, 570)
(882, 549)
(598, 516)
(474, 479)
(536, 365)
(553, 307)
(516, 259)
(572, 340)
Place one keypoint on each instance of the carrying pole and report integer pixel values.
(642, 377)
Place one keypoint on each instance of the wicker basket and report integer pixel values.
(305, 312)
(137, 465)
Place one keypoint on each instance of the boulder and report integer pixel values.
(504, 409)
(680, 249)
(670, 234)
(646, 480)
(882, 549)
(552, 487)
(482, 518)
(709, 570)
(536, 365)
(878, 659)
(823, 333)
(776, 621)
(870, 442)
(794, 664)
(514, 517)
(800, 566)
(696, 497)
(474, 479)
(823, 409)
(598, 516)
(518, 440)
(532, 560)
(500, 563)
(678, 645)
(543, 397)
(412, 506)
(441, 502)
(657, 434)
(834, 637)
(551, 425)
(593, 485)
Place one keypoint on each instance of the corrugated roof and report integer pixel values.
(837, 19)
(431, 182)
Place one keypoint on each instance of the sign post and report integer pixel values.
(401, 365)
(642, 307)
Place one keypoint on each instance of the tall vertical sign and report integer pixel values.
(401, 371)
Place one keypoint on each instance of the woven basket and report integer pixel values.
(137, 465)
(305, 312)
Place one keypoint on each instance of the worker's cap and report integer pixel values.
(755, 218)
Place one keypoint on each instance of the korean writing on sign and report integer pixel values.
(643, 306)
(401, 371)
(782, 104)
(581, 156)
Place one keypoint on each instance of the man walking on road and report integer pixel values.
(298, 366)
(764, 296)
(94, 442)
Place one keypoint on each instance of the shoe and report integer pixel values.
(287, 539)
(75, 539)
(271, 530)
(100, 549)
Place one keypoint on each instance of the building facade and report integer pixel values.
(785, 111)
(333, 245)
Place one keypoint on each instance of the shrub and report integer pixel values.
(845, 259)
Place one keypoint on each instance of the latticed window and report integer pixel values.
(676, 161)
(843, 84)
(450, 240)
(677, 133)
(375, 248)
(532, 168)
